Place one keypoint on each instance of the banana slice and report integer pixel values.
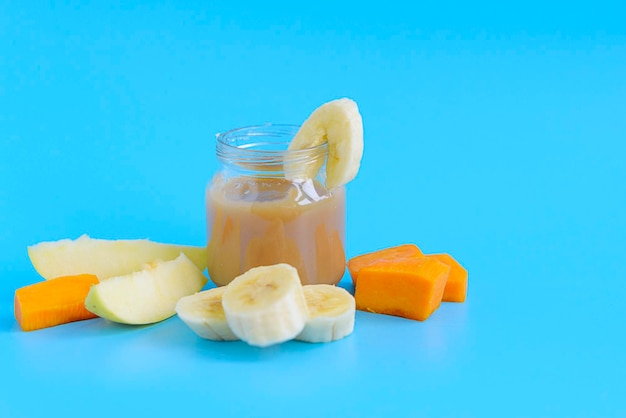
(266, 305)
(331, 311)
(203, 313)
(338, 123)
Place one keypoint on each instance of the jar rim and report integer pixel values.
(259, 126)
(229, 138)
(266, 148)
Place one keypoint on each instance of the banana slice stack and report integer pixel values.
(268, 305)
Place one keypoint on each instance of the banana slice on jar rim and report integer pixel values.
(339, 124)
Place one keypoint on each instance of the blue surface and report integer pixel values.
(495, 133)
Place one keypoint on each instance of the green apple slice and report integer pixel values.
(146, 296)
(105, 258)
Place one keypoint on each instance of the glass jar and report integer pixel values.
(256, 216)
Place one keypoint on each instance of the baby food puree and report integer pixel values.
(257, 217)
(279, 195)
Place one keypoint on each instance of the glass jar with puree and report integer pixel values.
(279, 195)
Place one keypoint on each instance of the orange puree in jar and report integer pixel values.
(257, 217)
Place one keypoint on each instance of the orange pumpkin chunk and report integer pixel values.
(53, 302)
(385, 255)
(456, 286)
(411, 288)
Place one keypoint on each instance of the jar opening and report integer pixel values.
(264, 148)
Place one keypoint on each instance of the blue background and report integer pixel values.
(493, 131)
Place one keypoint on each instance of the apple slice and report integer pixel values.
(146, 296)
(105, 258)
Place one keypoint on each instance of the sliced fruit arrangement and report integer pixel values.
(268, 305)
(128, 281)
(146, 296)
(105, 258)
(339, 124)
(143, 282)
(402, 281)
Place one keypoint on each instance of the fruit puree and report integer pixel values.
(254, 221)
